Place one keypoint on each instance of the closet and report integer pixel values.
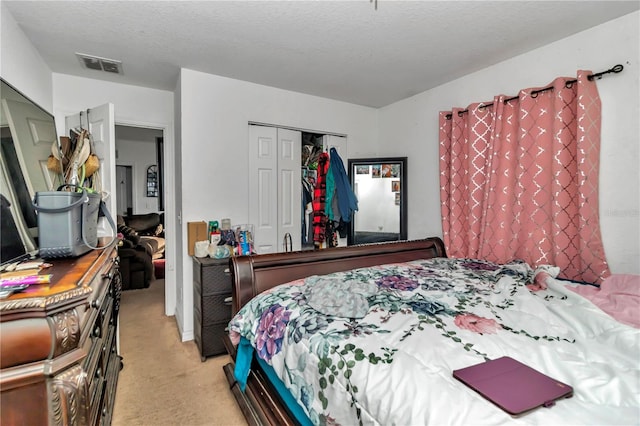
(279, 158)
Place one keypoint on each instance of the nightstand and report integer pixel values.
(211, 304)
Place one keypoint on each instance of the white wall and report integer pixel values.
(136, 106)
(20, 63)
(137, 149)
(411, 125)
(180, 247)
(215, 115)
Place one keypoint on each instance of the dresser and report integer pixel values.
(58, 353)
(211, 304)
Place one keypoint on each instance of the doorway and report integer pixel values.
(139, 165)
(136, 148)
(169, 211)
(124, 200)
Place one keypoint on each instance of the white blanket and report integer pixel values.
(428, 318)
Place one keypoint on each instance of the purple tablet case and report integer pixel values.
(513, 386)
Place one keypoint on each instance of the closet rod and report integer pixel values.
(534, 93)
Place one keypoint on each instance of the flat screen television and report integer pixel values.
(27, 133)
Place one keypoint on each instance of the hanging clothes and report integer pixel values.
(331, 208)
(319, 199)
(307, 210)
(331, 236)
(347, 200)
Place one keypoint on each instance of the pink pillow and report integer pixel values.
(618, 296)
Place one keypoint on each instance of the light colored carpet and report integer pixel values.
(163, 381)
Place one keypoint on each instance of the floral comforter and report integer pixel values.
(378, 345)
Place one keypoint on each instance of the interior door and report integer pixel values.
(289, 187)
(274, 187)
(101, 121)
(33, 133)
(337, 142)
(263, 188)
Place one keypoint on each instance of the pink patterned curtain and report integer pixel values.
(519, 179)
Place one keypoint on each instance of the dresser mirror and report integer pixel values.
(380, 184)
(27, 133)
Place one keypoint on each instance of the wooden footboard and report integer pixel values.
(251, 275)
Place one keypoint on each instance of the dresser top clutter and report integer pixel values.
(58, 353)
(70, 278)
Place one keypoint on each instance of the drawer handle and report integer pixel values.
(226, 271)
(108, 275)
(228, 300)
(98, 373)
(96, 332)
(95, 303)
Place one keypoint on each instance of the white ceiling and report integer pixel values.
(343, 50)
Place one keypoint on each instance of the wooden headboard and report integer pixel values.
(254, 274)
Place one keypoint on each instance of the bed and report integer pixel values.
(371, 334)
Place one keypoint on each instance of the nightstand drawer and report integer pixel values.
(216, 279)
(214, 308)
(213, 275)
(212, 343)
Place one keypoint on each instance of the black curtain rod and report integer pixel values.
(534, 93)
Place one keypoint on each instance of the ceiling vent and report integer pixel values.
(100, 64)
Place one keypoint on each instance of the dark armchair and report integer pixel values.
(136, 267)
(142, 244)
(150, 228)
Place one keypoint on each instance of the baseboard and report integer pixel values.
(185, 336)
(188, 336)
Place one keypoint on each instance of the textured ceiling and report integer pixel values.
(343, 50)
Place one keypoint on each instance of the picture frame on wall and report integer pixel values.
(397, 198)
(395, 186)
(152, 181)
(375, 170)
(362, 170)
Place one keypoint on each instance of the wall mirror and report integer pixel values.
(27, 132)
(381, 187)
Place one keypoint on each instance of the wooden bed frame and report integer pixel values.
(251, 275)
